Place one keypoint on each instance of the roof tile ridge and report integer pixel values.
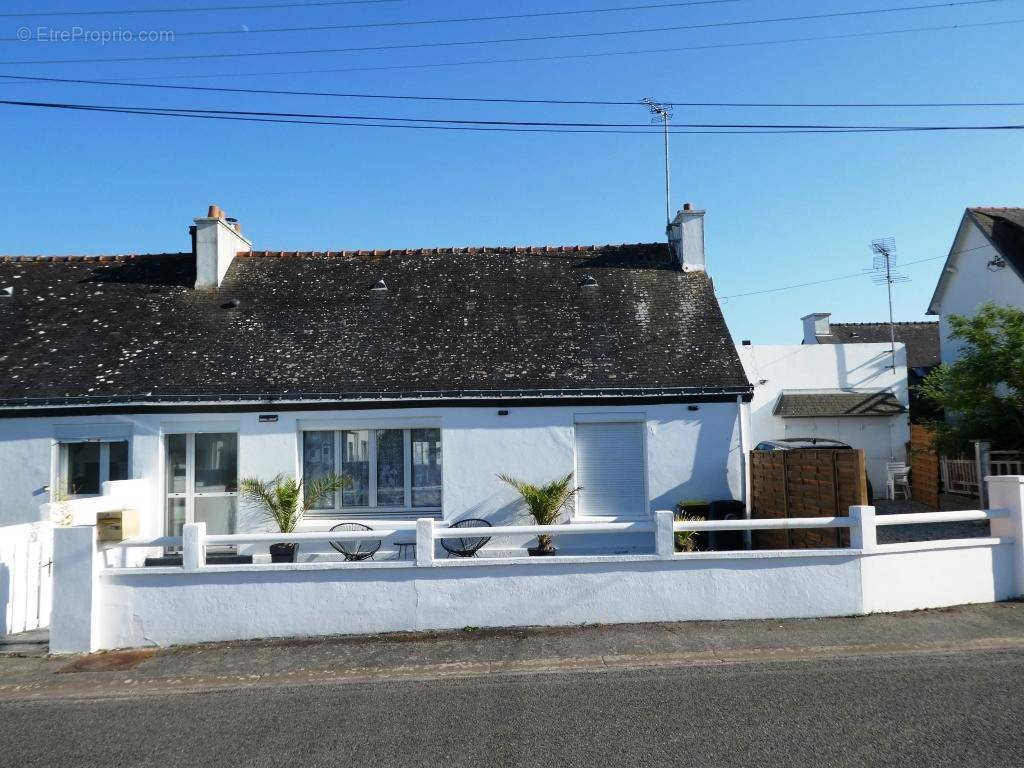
(443, 250)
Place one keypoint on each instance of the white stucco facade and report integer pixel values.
(689, 451)
(968, 281)
(811, 368)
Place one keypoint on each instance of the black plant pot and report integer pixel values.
(283, 553)
(542, 552)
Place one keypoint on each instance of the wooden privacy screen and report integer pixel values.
(806, 483)
(924, 466)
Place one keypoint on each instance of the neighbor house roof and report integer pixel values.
(459, 323)
(837, 403)
(1004, 229)
(921, 339)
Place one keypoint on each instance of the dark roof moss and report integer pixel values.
(453, 321)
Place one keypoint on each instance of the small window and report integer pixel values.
(391, 470)
(86, 465)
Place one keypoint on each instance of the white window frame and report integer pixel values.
(406, 509)
(189, 494)
(63, 463)
(626, 417)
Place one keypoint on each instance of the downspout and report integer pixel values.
(741, 416)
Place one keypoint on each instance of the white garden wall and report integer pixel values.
(144, 608)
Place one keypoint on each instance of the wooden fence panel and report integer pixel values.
(924, 466)
(806, 483)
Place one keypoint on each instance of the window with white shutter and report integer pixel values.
(610, 468)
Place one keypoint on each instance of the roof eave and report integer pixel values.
(28, 407)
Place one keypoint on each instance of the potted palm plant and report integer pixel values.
(544, 504)
(283, 499)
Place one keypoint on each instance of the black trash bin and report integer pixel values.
(726, 540)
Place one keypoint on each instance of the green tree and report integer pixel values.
(982, 393)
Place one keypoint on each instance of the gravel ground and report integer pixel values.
(893, 534)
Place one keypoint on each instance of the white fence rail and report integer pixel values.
(26, 568)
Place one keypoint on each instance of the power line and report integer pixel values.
(533, 38)
(138, 11)
(600, 54)
(430, 22)
(635, 127)
(840, 277)
(495, 100)
(495, 125)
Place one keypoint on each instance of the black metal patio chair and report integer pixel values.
(360, 549)
(466, 546)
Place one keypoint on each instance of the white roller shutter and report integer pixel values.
(610, 467)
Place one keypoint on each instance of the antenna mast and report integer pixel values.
(883, 271)
(663, 112)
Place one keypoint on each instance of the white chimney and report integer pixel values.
(686, 235)
(215, 241)
(816, 324)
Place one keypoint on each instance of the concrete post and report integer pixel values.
(863, 533)
(983, 466)
(1006, 493)
(425, 542)
(193, 546)
(75, 621)
(664, 536)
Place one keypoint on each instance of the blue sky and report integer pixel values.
(782, 209)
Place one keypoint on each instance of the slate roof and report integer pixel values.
(921, 339)
(837, 403)
(453, 323)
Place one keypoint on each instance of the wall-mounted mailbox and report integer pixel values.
(118, 525)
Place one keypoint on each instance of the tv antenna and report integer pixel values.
(883, 272)
(662, 112)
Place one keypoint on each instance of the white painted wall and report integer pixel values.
(144, 608)
(690, 454)
(821, 367)
(972, 284)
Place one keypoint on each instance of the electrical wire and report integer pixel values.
(138, 11)
(493, 41)
(599, 54)
(495, 100)
(636, 127)
(841, 277)
(431, 22)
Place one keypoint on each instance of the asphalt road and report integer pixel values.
(941, 710)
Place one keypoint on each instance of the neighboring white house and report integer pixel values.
(921, 340)
(845, 392)
(421, 374)
(985, 263)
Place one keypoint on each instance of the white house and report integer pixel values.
(420, 373)
(920, 339)
(985, 263)
(846, 392)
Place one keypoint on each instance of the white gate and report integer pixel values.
(26, 573)
(959, 476)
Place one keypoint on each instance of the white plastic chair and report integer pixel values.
(898, 479)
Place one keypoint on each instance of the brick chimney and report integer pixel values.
(215, 241)
(686, 236)
(816, 324)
